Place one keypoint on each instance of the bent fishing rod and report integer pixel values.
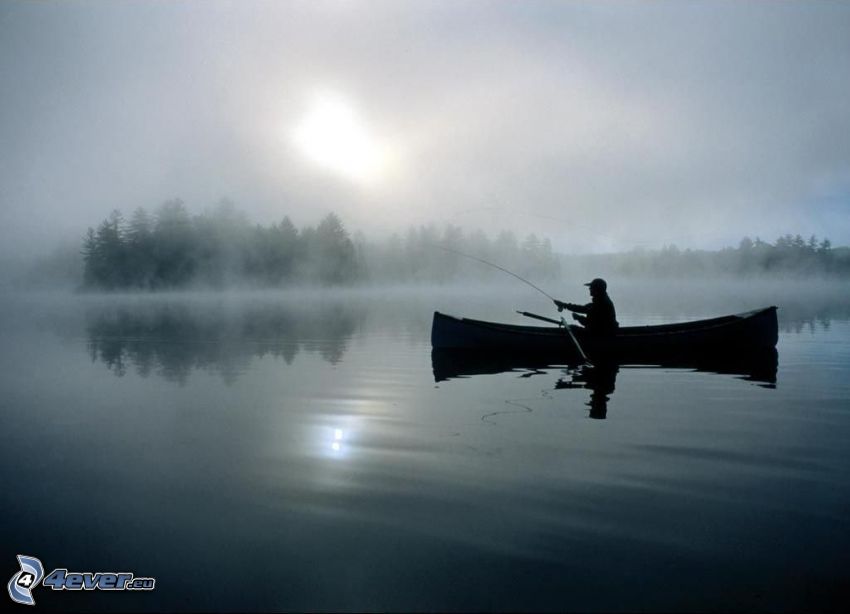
(495, 266)
(561, 323)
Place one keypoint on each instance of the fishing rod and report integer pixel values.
(495, 266)
(541, 318)
(562, 322)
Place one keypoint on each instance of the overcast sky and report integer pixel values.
(602, 125)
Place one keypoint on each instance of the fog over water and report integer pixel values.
(602, 126)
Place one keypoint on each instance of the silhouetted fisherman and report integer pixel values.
(601, 318)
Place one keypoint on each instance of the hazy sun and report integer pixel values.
(333, 136)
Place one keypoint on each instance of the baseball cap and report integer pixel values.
(597, 283)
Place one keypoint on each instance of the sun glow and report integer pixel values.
(334, 137)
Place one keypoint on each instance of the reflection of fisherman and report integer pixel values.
(601, 318)
(600, 379)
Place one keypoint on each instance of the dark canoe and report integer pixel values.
(751, 332)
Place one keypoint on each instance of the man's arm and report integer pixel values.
(572, 307)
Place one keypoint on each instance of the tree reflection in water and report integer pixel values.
(171, 340)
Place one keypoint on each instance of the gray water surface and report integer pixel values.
(293, 451)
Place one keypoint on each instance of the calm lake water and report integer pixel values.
(268, 451)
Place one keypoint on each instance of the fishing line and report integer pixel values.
(525, 281)
(495, 266)
(544, 395)
(525, 409)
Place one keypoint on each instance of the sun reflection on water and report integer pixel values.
(336, 444)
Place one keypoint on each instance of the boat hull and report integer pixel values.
(753, 331)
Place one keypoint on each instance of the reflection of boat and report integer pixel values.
(747, 332)
(599, 378)
(756, 366)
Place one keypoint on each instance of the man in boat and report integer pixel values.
(600, 318)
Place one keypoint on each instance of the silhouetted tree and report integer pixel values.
(173, 245)
(105, 254)
(334, 251)
(141, 264)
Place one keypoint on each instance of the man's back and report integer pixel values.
(601, 315)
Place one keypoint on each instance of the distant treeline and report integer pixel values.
(429, 253)
(172, 249)
(788, 255)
